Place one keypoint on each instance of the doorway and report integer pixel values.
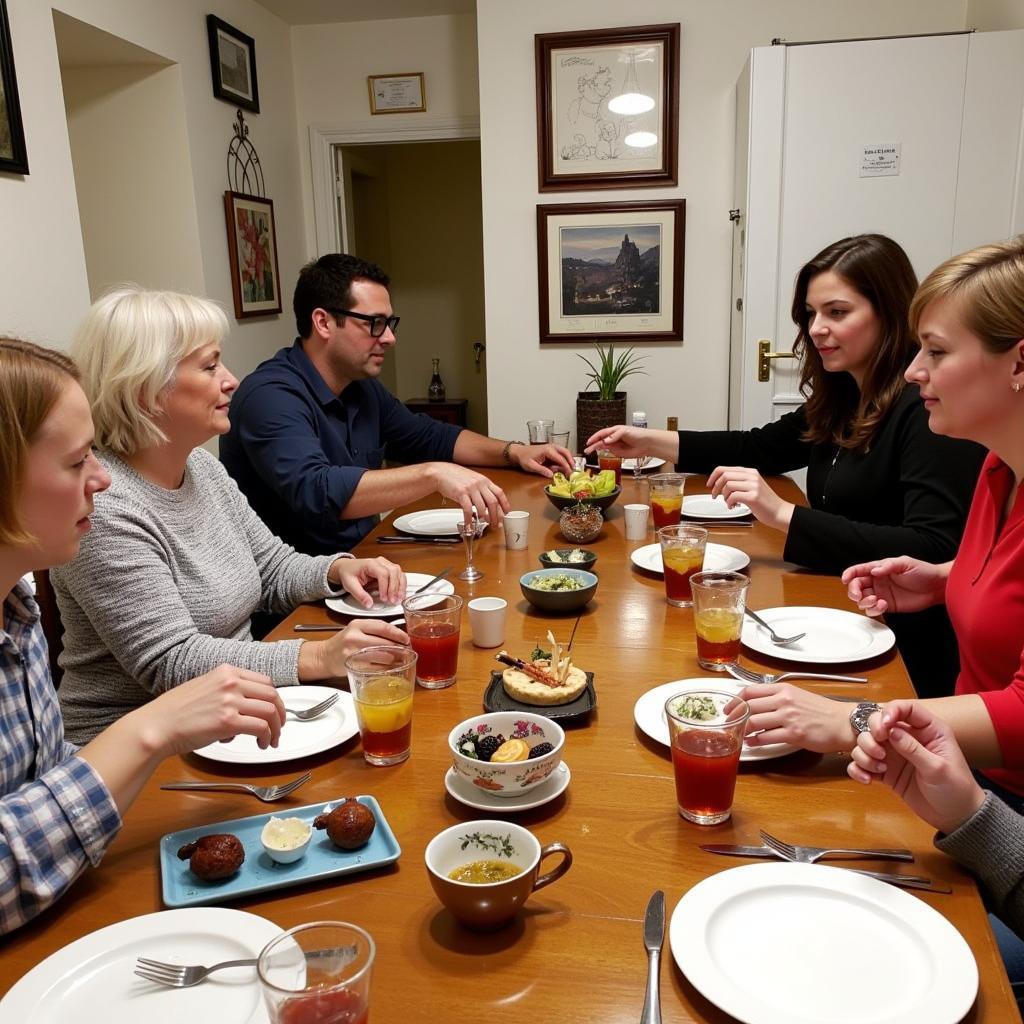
(415, 209)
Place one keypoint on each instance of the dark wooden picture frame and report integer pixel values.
(240, 87)
(623, 292)
(580, 141)
(252, 251)
(13, 154)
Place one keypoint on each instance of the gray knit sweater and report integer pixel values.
(990, 844)
(163, 588)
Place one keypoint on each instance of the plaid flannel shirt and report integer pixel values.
(56, 814)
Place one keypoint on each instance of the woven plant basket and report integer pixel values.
(593, 413)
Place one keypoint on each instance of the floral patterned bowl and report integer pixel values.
(513, 777)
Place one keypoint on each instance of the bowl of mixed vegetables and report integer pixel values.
(599, 490)
(571, 558)
(558, 590)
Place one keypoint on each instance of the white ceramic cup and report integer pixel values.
(636, 521)
(517, 527)
(487, 621)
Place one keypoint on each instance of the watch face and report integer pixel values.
(861, 713)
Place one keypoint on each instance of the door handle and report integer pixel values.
(478, 351)
(765, 355)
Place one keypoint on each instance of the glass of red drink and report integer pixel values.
(706, 740)
(682, 555)
(718, 602)
(432, 622)
(318, 973)
(667, 498)
(382, 681)
(609, 460)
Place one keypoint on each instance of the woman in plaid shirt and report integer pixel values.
(60, 806)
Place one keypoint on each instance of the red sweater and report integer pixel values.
(985, 598)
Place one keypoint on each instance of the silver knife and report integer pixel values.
(418, 540)
(735, 850)
(725, 524)
(654, 935)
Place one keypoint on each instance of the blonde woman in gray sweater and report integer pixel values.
(164, 585)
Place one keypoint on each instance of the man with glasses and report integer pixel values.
(311, 427)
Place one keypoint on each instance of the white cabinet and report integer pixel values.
(810, 121)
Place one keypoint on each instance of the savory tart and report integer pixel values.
(547, 679)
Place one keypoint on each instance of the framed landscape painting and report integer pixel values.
(252, 250)
(13, 155)
(611, 271)
(608, 108)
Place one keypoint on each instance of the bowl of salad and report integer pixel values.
(558, 590)
(570, 558)
(599, 489)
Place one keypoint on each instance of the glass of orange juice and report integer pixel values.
(383, 680)
(682, 555)
(718, 602)
(667, 498)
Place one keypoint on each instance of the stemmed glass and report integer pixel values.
(470, 535)
(638, 464)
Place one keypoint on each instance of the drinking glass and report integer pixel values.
(540, 430)
(609, 460)
(470, 535)
(560, 437)
(318, 972)
(667, 498)
(706, 751)
(718, 602)
(638, 464)
(382, 681)
(682, 555)
(432, 622)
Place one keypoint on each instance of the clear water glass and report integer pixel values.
(470, 534)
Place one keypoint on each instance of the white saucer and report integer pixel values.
(466, 793)
(703, 506)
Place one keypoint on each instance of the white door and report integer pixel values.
(812, 112)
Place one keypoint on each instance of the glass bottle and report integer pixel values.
(673, 423)
(435, 393)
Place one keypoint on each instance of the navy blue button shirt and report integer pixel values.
(297, 450)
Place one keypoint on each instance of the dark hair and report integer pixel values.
(837, 411)
(326, 283)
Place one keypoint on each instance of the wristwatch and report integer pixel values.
(504, 451)
(861, 713)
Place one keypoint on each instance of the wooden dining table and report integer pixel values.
(576, 951)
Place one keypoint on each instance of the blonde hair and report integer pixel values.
(128, 347)
(988, 286)
(32, 379)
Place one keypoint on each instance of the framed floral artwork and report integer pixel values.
(611, 271)
(608, 108)
(252, 250)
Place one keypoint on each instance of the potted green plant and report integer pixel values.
(605, 406)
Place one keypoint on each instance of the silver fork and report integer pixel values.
(745, 675)
(177, 976)
(268, 794)
(316, 710)
(781, 641)
(811, 854)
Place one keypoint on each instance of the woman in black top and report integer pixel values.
(878, 481)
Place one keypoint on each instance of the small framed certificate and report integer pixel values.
(397, 94)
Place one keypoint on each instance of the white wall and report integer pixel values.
(44, 287)
(995, 15)
(689, 380)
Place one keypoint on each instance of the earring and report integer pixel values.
(1016, 385)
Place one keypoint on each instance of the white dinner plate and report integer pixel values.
(468, 794)
(628, 465)
(717, 558)
(841, 948)
(348, 605)
(833, 636)
(93, 979)
(649, 714)
(432, 522)
(703, 506)
(298, 739)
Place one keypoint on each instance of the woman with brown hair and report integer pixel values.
(879, 482)
(60, 806)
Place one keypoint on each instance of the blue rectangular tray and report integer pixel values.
(258, 872)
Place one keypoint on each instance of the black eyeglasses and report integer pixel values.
(378, 324)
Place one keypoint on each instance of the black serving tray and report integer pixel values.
(496, 699)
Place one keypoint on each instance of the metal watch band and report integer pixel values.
(861, 713)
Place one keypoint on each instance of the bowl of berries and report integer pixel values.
(506, 753)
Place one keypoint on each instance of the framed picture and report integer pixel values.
(252, 249)
(13, 155)
(608, 108)
(397, 94)
(233, 64)
(611, 271)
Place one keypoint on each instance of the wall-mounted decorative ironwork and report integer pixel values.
(245, 174)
